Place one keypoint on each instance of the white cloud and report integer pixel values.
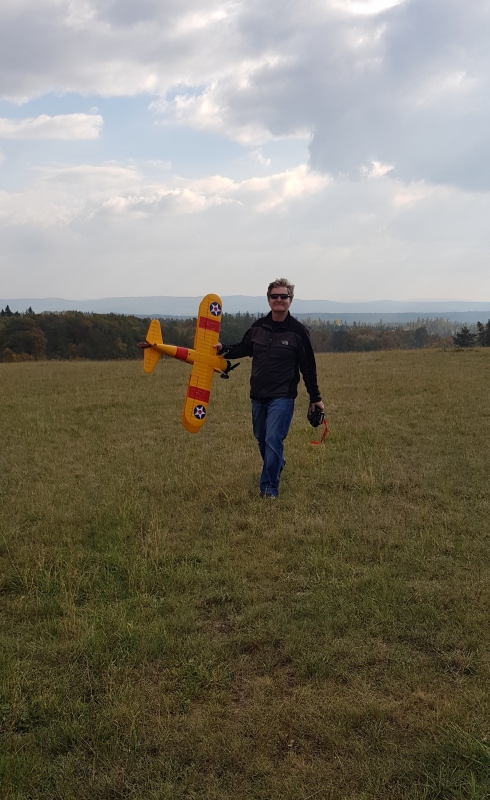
(258, 156)
(400, 83)
(376, 170)
(366, 7)
(32, 209)
(65, 194)
(62, 195)
(62, 126)
(275, 191)
(209, 109)
(391, 96)
(110, 230)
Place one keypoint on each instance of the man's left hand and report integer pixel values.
(317, 405)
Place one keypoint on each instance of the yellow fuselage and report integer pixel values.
(191, 356)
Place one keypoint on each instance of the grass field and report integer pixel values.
(166, 635)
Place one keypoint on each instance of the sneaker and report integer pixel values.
(268, 496)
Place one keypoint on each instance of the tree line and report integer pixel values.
(77, 335)
(479, 338)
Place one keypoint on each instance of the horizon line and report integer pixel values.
(254, 297)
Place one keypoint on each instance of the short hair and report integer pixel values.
(281, 282)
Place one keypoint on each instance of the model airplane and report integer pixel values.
(202, 356)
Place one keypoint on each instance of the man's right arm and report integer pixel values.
(239, 350)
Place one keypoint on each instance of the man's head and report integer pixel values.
(280, 294)
(281, 284)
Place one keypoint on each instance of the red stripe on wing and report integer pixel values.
(209, 324)
(198, 394)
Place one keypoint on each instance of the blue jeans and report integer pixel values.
(271, 423)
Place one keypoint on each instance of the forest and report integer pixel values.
(72, 335)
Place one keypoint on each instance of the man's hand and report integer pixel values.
(218, 347)
(319, 404)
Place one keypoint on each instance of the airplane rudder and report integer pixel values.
(154, 335)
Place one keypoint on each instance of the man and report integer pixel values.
(280, 348)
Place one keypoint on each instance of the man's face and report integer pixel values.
(279, 299)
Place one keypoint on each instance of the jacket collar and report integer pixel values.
(268, 321)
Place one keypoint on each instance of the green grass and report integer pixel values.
(166, 635)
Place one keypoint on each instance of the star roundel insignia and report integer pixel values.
(215, 309)
(199, 412)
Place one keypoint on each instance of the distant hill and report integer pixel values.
(187, 307)
(461, 317)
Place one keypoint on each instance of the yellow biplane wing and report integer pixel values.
(197, 398)
(208, 324)
(199, 388)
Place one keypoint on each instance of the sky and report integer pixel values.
(177, 147)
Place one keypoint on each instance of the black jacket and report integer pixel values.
(279, 351)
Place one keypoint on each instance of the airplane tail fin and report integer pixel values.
(151, 356)
(150, 359)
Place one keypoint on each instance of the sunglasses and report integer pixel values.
(279, 296)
